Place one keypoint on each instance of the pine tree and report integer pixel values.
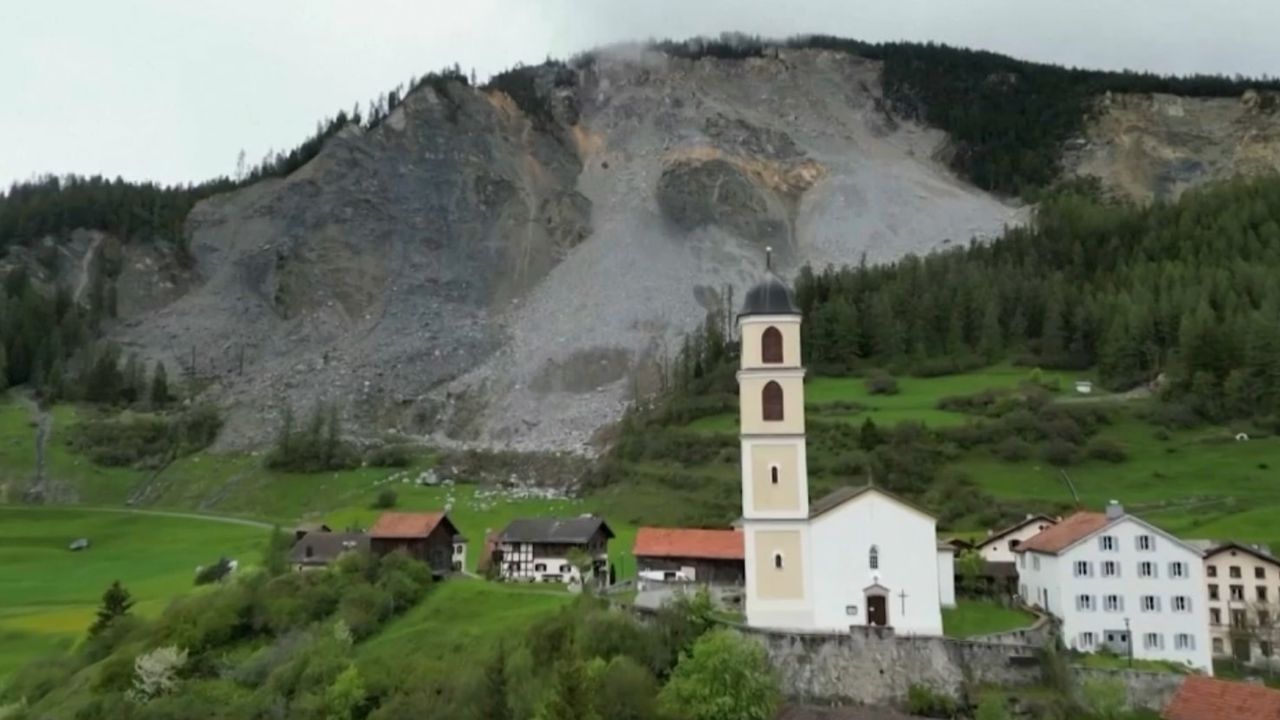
(160, 386)
(116, 602)
(990, 338)
(493, 704)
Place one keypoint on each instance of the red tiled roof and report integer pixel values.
(689, 543)
(405, 525)
(1205, 698)
(1055, 539)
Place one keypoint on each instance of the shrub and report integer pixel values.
(923, 701)
(880, 382)
(213, 573)
(1059, 453)
(1107, 450)
(1012, 449)
(723, 676)
(386, 499)
(390, 456)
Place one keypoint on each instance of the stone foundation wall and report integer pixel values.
(873, 666)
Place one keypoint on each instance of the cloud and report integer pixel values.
(153, 89)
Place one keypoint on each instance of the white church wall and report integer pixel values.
(906, 541)
(947, 578)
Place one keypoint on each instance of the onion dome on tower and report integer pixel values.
(770, 296)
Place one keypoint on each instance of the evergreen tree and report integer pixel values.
(493, 704)
(160, 386)
(116, 603)
(570, 694)
(991, 339)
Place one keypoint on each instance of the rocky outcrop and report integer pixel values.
(1155, 147)
(468, 274)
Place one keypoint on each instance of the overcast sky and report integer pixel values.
(172, 90)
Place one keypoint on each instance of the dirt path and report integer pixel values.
(85, 262)
(39, 490)
(174, 514)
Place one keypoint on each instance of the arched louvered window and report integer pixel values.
(771, 345)
(771, 399)
(874, 558)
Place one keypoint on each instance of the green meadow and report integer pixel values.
(48, 594)
(982, 617)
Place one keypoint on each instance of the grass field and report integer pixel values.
(916, 399)
(48, 594)
(979, 617)
(460, 619)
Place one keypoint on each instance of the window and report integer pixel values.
(1107, 543)
(540, 567)
(1215, 616)
(1113, 603)
(777, 561)
(1022, 561)
(1013, 545)
(1259, 573)
(1110, 568)
(1264, 619)
(771, 345)
(310, 552)
(1181, 603)
(1213, 592)
(1266, 648)
(771, 400)
(1218, 646)
(1022, 590)
(873, 558)
(1150, 603)
(773, 474)
(1086, 641)
(1239, 619)
(1237, 592)
(1035, 562)
(1262, 593)
(1235, 571)
(1177, 569)
(1084, 568)
(565, 569)
(1084, 602)
(1153, 641)
(1211, 571)
(1146, 569)
(1184, 641)
(1146, 543)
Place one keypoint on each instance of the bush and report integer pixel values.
(923, 701)
(386, 499)
(1060, 453)
(880, 382)
(213, 573)
(1012, 449)
(390, 456)
(1107, 450)
(723, 676)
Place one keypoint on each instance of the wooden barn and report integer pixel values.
(429, 537)
(690, 555)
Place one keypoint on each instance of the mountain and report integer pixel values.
(509, 266)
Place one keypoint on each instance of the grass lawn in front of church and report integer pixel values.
(970, 618)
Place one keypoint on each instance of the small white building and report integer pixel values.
(1120, 583)
(999, 545)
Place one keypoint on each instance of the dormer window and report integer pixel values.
(771, 346)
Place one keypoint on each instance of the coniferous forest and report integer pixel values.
(1185, 293)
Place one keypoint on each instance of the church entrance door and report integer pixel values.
(877, 611)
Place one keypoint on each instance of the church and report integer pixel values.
(859, 556)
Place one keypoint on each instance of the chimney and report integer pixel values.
(1115, 510)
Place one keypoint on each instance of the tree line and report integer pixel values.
(151, 212)
(1182, 295)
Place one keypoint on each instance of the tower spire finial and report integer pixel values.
(768, 257)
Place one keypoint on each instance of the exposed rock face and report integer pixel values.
(1154, 147)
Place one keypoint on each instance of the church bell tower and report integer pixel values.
(775, 482)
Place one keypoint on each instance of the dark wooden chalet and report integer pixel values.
(319, 549)
(425, 536)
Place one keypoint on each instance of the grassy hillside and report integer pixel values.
(48, 594)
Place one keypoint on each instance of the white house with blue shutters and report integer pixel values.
(1119, 583)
